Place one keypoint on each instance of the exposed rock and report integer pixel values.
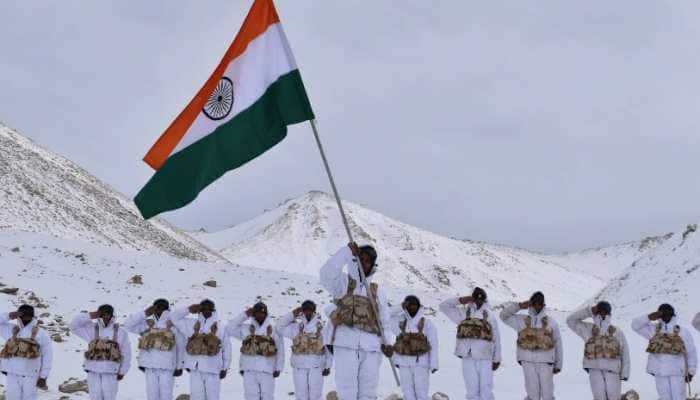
(57, 338)
(393, 396)
(440, 396)
(183, 397)
(136, 280)
(73, 385)
(15, 249)
(332, 395)
(10, 291)
(210, 283)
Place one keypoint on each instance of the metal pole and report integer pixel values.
(375, 308)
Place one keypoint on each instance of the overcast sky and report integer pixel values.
(551, 125)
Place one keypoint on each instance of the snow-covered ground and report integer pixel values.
(68, 276)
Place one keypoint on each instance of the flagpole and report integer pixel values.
(350, 238)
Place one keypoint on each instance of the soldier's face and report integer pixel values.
(367, 264)
(206, 311)
(106, 318)
(26, 317)
(308, 314)
(412, 308)
(666, 316)
(260, 316)
(538, 307)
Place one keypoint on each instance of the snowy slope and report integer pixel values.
(44, 192)
(608, 261)
(669, 273)
(301, 233)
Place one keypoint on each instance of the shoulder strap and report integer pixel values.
(251, 329)
(97, 331)
(595, 331)
(528, 321)
(35, 331)
(485, 314)
(545, 322)
(352, 284)
(269, 330)
(214, 327)
(115, 334)
(402, 325)
(15, 331)
(169, 324)
(197, 327)
(151, 323)
(676, 330)
(611, 330)
(301, 327)
(421, 325)
(469, 312)
(319, 328)
(658, 328)
(374, 289)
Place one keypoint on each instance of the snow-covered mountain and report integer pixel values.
(45, 193)
(609, 261)
(670, 273)
(301, 233)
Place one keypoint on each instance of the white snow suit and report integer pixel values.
(307, 368)
(102, 375)
(477, 355)
(415, 371)
(357, 353)
(258, 382)
(669, 370)
(538, 365)
(159, 365)
(22, 372)
(604, 374)
(204, 370)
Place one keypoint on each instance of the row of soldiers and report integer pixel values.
(196, 340)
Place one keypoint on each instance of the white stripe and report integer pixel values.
(266, 58)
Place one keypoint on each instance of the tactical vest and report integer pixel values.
(104, 349)
(602, 346)
(308, 343)
(259, 345)
(536, 339)
(412, 343)
(666, 343)
(356, 311)
(157, 339)
(475, 328)
(21, 347)
(204, 344)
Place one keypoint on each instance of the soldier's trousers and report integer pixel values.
(415, 382)
(605, 385)
(478, 378)
(102, 386)
(308, 383)
(671, 387)
(357, 373)
(159, 384)
(20, 387)
(539, 380)
(204, 386)
(258, 385)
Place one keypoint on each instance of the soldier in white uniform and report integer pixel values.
(161, 349)
(539, 346)
(108, 357)
(207, 351)
(311, 360)
(696, 321)
(672, 356)
(27, 355)
(416, 348)
(262, 352)
(606, 355)
(356, 337)
(478, 342)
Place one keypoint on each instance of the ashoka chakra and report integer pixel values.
(220, 102)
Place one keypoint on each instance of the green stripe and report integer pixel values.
(243, 138)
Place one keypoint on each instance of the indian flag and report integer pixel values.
(242, 110)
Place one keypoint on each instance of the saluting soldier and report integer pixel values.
(161, 348)
(311, 360)
(416, 348)
(356, 338)
(539, 346)
(478, 341)
(108, 357)
(606, 355)
(672, 357)
(27, 355)
(262, 352)
(207, 350)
